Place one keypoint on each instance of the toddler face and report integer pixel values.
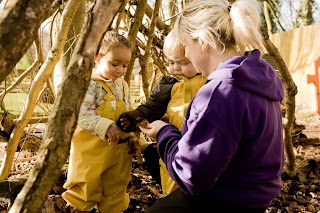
(114, 63)
(181, 66)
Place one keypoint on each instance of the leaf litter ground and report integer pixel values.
(299, 194)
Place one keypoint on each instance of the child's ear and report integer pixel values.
(98, 58)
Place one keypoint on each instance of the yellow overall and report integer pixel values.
(181, 95)
(99, 172)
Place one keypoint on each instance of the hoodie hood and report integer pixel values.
(96, 76)
(251, 73)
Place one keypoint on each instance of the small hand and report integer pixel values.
(113, 133)
(153, 128)
(125, 123)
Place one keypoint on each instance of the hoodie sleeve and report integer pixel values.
(154, 108)
(196, 158)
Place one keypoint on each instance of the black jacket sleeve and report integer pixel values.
(154, 108)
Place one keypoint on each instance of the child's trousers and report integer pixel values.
(158, 170)
(98, 174)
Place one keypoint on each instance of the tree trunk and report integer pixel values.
(75, 28)
(133, 32)
(290, 93)
(168, 11)
(24, 19)
(63, 119)
(164, 28)
(32, 98)
(147, 70)
(305, 12)
(267, 16)
(120, 17)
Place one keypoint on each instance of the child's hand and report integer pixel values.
(153, 128)
(125, 123)
(113, 133)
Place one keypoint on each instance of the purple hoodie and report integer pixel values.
(231, 144)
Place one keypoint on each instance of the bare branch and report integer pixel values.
(63, 119)
(24, 18)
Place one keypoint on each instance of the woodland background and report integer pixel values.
(47, 51)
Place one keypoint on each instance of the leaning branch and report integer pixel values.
(24, 19)
(290, 93)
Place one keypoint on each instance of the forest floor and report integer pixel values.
(300, 193)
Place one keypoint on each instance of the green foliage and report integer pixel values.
(14, 103)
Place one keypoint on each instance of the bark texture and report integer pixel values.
(24, 19)
(36, 87)
(133, 32)
(147, 70)
(63, 119)
(290, 93)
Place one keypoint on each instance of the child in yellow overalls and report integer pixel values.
(100, 163)
(170, 96)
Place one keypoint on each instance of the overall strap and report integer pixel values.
(105, 86)
(109, 96)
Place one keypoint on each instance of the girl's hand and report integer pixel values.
(113, 133)
(153, 128)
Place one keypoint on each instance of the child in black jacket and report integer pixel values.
(170, 97)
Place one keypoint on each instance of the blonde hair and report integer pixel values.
(172, 46)
(222, 24)
(112, 40)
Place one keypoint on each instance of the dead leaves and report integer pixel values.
(302, 193)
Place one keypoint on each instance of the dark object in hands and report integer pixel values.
(133, 144)
(124, 140)
(141, 122)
